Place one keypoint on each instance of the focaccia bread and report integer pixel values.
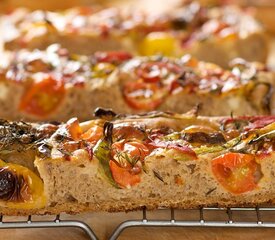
(52, 5)
(123, 163)
(57, 85)
(211, 34)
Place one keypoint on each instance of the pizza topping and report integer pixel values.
(124, 177)
(113, 57)
(102, 152)
(128, 132)
(120, 161)
(126, 163)
(190, 17)
(163, 43)
(102, 70)
(43, 97)
(237, 173)
(204, 138)
(158, 71)
(20, 187)
(93, 134)
(121, 154)
(104, 113)
(8, 182)
(144, 96)
(126, 153)
(153, 84)
(185, 153)
(246, 123)
(74, 128)
(38, 65)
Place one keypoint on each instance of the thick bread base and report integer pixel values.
(87, 190)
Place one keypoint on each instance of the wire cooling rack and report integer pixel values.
(229, 220)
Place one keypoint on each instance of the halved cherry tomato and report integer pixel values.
(134, 150)
(93, 134)
(124, 177)
(238, 173)
(156, 71)
(112, 56)
(43, 97)
(144, 96)
(74, 128)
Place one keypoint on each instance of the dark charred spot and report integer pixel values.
(179, 23)
(8, 182)
(204, 138)
(104, 113)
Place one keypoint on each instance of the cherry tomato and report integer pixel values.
(144, 96)
(236, 172)
(156, 71)
(93, 134)
(134, 150)
(124, 177)
(74, 128)
(112, 56)
(128, 132)
(43, 97)
(158, 43)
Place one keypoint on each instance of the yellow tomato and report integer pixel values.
(158, 43)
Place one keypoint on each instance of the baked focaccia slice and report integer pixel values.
(9, 5)
(152, 83)
(122, 163)
(57, 85)
(211, 34)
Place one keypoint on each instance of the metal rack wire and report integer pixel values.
(171, 221)
(200, 222)
(56, 223)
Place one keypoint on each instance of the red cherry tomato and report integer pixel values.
(156, 71)
(112, 56)
(93, 134)
(144, 96)
(43, 97)
(236, 172)
(134, 150)
(123, 176)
